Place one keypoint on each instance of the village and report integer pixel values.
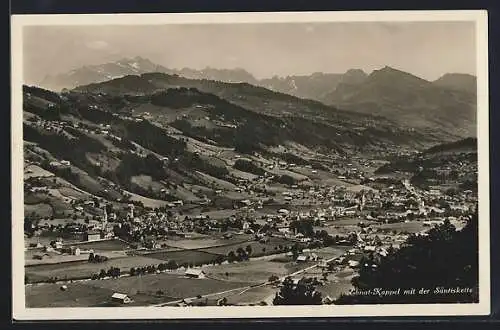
(297, 225)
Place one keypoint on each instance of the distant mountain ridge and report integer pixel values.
(458, 81)
(447, 103)
(134, 66)
(410, 100)
(314, 86)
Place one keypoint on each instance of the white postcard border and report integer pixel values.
(20, 312)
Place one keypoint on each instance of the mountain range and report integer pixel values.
(168, 137)
(448, 103)
(132, 66)
(409, 100)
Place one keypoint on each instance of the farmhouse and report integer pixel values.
(283, 211)
(301, 258)
(92, 235)
(353, 263)
(121, 298)
(284, 229)
(244, 203)
(75, 251)
(369, 248)
(194, 273)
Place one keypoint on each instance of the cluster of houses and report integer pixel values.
(58, 246)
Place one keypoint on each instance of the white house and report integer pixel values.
(284, 229)
(121, 298)
(370, 248)
(194, 273)
(301, 258)
(353, 263)
(75, 251)
(283, 211)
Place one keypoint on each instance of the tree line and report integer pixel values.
(446, 257)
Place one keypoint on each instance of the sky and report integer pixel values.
(425, 49)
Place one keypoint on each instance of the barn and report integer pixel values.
(194, 273)
(121, 298)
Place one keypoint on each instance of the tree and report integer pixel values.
(231, 256)
(172, 264)
(305, 227)
(295, 251)
(273, 278)
(248, 249)
(444, 257)
(302, 293)
(241, 254)
(219, 259)
(222, 302)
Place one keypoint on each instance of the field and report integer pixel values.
(321, 176)
(147, 202)
(252, 296)
(31, 171)
(104, 245)
(172, 285)
(295, 175)
(56, 258)
(255, 271)
(84, 269)
(196, 257)
(335, 288)
(218, 182)
(331, 252)
(41, 202)
(219, 214)
(145, 182)
(242, 175)
(77, 295)
(258, 249)
(195, 243)
(358, 188)
(248, 271)
(42, 209)
(185, 195)
(411, 227)
(166, 287)
(337, 283)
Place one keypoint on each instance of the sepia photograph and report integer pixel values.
(250, 165)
